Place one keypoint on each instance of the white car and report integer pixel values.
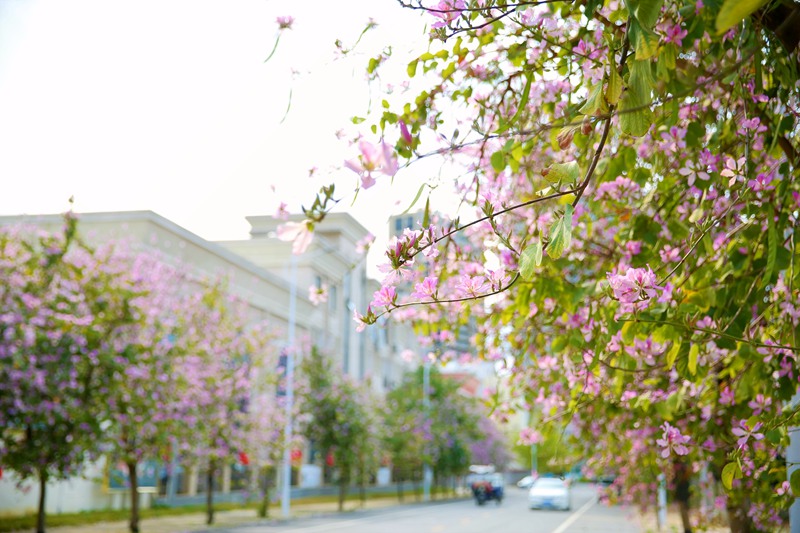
(549, 493)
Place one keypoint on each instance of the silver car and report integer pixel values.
(549, 493)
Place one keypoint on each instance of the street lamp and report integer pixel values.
(427, 474)
(287, 452)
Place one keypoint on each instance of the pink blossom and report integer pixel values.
(360, 320)
(285, 22)
(471, 286)
(299, 233)
(633, 247)
(760, 404)
(528, 436)
(635, 285)
(675, 34)
(318, 295)
(447, 11)
(373, 159)
(282, 213)
(405, 134)
(672, 441)
(427, 289)
(384, 297)
(363, 244)
(745, 433)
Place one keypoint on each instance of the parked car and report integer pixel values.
(525, 483)
(550, 493)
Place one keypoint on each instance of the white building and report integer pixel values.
(262, 272)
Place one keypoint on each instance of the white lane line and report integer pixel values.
(577, 514)
(345, 523)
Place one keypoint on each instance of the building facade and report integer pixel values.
(262, 272)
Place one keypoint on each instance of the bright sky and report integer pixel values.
(167, 105)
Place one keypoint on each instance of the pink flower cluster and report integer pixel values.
(673, 441)
(446, 11)
(636, 286)
(373, 159)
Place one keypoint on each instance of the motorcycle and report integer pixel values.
(485, 484)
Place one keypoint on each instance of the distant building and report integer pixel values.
(262, 272)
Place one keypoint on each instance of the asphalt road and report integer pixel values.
(464, 516)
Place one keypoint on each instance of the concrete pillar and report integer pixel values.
(226, 479)
(192, 485)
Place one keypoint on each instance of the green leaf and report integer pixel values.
(414, 201)
(564, 173)
(498, 161)
(673, 352)
(560, 234)
(635, 117)
(772, 250)
(646, 44)
(614, 89)
(629, 332)
(774, 436)
(733, 12)
(730, 472)
(648, 12)
(794, 481)
(694, 352)
(664, 333)
(596, 102)
(523, 103)
(412, 68)
(529, 259)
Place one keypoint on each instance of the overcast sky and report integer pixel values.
(167, 105)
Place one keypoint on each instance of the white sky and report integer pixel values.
(167, 105)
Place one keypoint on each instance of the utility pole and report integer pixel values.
(427, 473)
(286, 487)
(792, 464)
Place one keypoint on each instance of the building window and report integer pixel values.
(332, 299)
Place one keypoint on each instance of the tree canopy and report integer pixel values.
(627, 232)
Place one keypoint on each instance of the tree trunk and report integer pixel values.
(263, 510)
(212, 465)
(362, 489)
(398, 479)
(342, 492)
(738, 520)
(42, 497)
(134, 486)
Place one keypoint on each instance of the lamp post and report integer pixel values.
(287, 452)
(427, 474)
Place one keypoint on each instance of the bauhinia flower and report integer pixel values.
(373, 159)
(363, 245)
(528, 436)
(299, 233)
(673, 441)
(384, 297)
(745, 433)
(318, 295)
(635, 285)
(285, 23)
(426, 289)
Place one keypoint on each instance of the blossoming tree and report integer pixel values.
(225, 355)
(627, 236)
(60, 304)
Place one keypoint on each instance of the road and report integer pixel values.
(464, 516)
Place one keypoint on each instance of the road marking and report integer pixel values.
(345, 523)
(577, 514)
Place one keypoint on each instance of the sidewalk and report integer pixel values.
(649, 523)
(197, 521)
